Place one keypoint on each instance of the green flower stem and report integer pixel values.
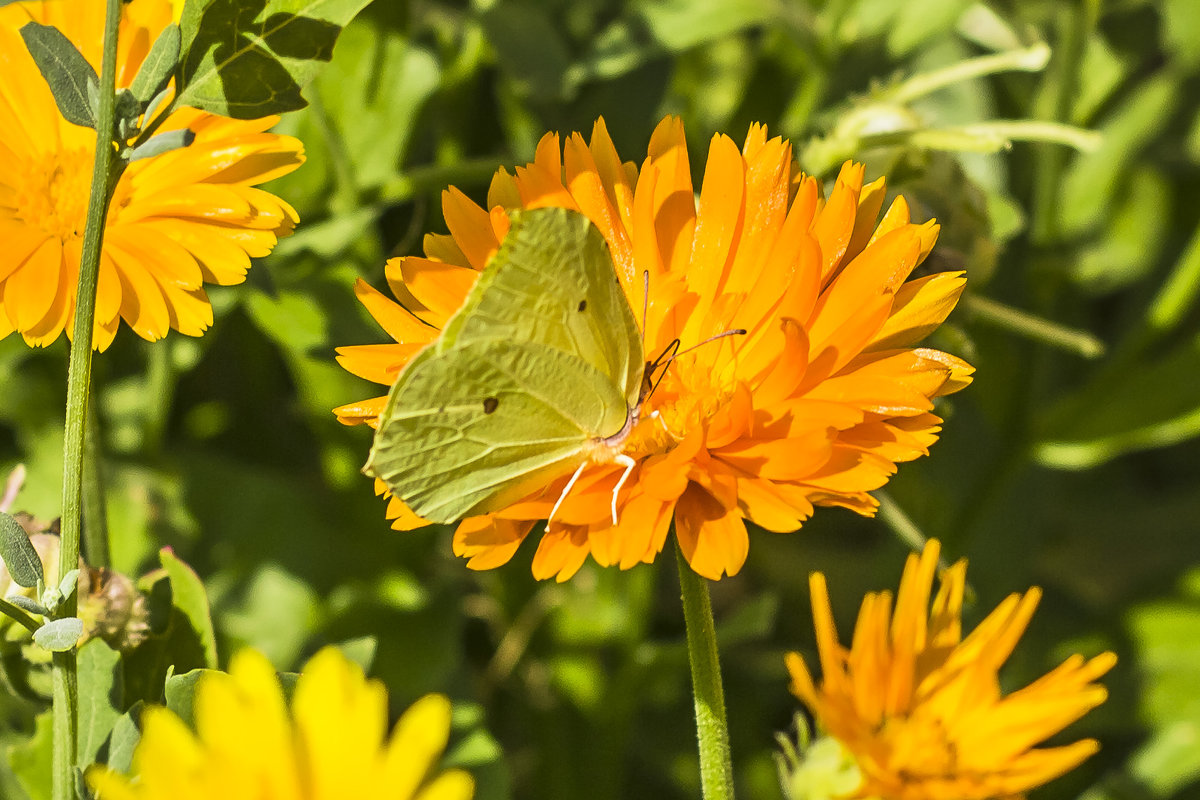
(105, 173)
(1034, 327)
(1030, 59)
(95, 510)
(901, 524)
(716, 769)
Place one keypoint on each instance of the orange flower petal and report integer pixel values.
(468, 224)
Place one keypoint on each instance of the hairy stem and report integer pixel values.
(105, 173)
(716, 769)
(95, 509)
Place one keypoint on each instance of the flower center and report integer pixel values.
(51, 192)
(689, 394)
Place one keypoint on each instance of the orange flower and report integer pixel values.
(919, 708)
(815, 405)
(177, 221)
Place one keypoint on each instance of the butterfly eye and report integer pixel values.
(490, 405)
(583, 305)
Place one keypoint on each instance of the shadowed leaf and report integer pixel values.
(248, 59)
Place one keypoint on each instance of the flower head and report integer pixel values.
(332, 745)
(814, 405)
(919, 707)
(177, 221)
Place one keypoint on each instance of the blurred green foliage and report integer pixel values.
(1071, 463)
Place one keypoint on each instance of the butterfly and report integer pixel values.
(539, 373)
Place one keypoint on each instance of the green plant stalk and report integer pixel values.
(1034, 327)
(95, 509)
(1029, 59)
(712, 731)
(105, 172)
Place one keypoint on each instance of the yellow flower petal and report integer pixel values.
(180, 219)
(247, 746)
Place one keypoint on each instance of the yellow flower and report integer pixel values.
(332, 746)
(919, 707)
(815, 405)
(180, 220)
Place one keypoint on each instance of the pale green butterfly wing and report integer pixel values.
(555, 284)
(543, 358)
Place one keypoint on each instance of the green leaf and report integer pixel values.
(189, 597)
(529, 47)
(68, 583)
(1181, 30)
(158, 66)
(18, 553)
(28, 604)
(59, 635)
(163, 143)
(917, 23)
(124, 739)
(180, 694)
(67, 72)
(1151, 405)
(250, 58)
(682, 24)
(1093, 179)
(279, 614)
(101, 681)
(31, 761)
(1132, 239)
(360, 650)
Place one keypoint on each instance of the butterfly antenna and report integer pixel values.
(664, 358)
(645, 303)
(672, 352)
(731, 332)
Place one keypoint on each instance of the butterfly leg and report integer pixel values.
(629, 464)
(566, 490)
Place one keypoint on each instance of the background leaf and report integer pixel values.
(101, 700)
(189, 597)
(249, 59)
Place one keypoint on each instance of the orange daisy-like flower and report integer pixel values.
(177, 221)
(919, 707)
(814, 405)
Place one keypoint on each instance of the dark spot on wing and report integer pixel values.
(490, 405)
(441, 409)
(583, 305)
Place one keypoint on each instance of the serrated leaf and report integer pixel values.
(59, 635)
(249, 60)
(22, 560)
(159, 65)
(66, 71)
(189, 597)
(101, 681)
